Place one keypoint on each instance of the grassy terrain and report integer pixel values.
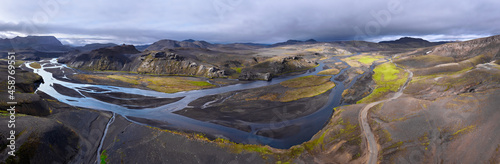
(104, 157)
(388, 78)
(298, 88)
(304, 92)
(237, 69)
(332, 71)
(125, 78)
(162, 84)
(357, 61)
(35, 65)
(307, 86)
(305, 81)
(315, 49)
(464, 130)
(453, 78)
(93, 78)
(18, 63)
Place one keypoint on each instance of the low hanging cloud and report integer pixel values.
(223, 21)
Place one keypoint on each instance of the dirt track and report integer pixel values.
(365, 127)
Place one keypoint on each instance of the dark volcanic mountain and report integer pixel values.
(109, 58)
(294, 42)
(93, 46)
(38, 43)
(128, 58)
(412, 42)
(406, 40)
(171, 44)
(142, 47)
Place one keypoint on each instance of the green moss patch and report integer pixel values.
(307, 86)
(395, 145)
(310, 145)
(305, 81)
(464, 130)
(124, 78)
(332, 71)
(104, 157)
(18, 63)
(167, 84)
(452, 67)
(36, 65)
(237, 69)
(388, 79)
(174, 84)
(356, 61)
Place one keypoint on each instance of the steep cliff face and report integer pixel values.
(112, 58)
(127, 58)
(277, 66)
(160, 62)
(94, 46)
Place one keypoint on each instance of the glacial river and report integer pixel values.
(309, 124)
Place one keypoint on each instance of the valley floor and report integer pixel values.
(405, 106)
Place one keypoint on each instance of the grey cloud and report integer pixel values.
(262, 21)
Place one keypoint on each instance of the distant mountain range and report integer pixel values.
(33, 47)
(294, 42)
(38, 43)
(93, 46)
(412, 42)
(171, 44)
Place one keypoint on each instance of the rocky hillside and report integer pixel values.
(93, 46)
(489, 46)
(294, 42)
(272, 67)
(171, 44)
(161, 62)
(190, 62)
(411, 42)
(33, 47)
(127, 58)
(38, 43)
(400, 45)
(111, 58)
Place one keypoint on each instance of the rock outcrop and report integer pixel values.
(255, 76)
(110, 58)
(161, 62)
(26, 83)
(267, 69)
(362, 88)
(127, 58)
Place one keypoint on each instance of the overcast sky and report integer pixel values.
(79, 22)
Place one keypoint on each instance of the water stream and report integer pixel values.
(309, 124)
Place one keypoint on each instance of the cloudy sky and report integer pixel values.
(79, 22)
